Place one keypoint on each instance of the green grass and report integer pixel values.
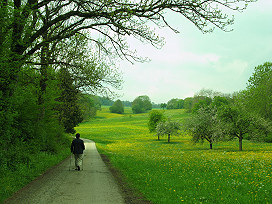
(12, 181)
(181, 171)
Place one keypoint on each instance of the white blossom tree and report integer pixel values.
(168, 128)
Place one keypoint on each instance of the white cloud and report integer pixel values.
(237, 67)
(203, 59)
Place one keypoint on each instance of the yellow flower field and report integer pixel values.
(180, 171)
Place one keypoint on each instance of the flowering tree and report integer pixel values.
(168, 128)
(203, 125)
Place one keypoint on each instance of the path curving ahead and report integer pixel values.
(94, 185)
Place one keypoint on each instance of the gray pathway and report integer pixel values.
(94, 185)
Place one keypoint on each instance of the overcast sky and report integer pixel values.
(191, 61)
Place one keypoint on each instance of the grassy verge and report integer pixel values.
(12, 181)
(180, 171)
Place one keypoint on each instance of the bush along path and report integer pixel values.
(94, 184)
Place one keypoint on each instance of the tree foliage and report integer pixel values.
(239, 123)
(70, 114)
(225, 119)
(204, 98)
(220, 101)
(117, 107)
(168, 127)
(200, 101)
(88, 105)
(175, 103)
(141, 104)
(204, 125)
(258, 95)
(163, 105)
(188, 104)
(209, 93)
(89, 71)
(154, 118)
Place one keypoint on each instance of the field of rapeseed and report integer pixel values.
(181, 172)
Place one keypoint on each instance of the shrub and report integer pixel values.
(117, 107)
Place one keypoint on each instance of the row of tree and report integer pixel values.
(204, 95)
(244, 115)
(140, 104)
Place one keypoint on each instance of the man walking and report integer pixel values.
(77, 148)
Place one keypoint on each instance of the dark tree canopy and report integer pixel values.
(69, 111)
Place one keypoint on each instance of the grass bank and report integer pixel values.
(180, 171)
(12, 181)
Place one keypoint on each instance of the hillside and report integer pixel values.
(181, 171)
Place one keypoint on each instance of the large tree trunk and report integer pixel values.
(3, 24)
(210, 145)
(43, 78)
(11, 52)
(44, 67)
(168, 137)
(43, 75)
(240, 143)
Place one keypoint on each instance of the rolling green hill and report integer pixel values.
(181, 171)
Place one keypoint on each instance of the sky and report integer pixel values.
(191, 61)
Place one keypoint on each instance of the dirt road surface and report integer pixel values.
(93, 185)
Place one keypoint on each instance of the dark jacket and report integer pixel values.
(77, 146)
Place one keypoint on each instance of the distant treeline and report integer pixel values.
(105, 101)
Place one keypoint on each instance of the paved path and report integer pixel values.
(94, 185)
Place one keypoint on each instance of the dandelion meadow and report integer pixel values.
(180, 171)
